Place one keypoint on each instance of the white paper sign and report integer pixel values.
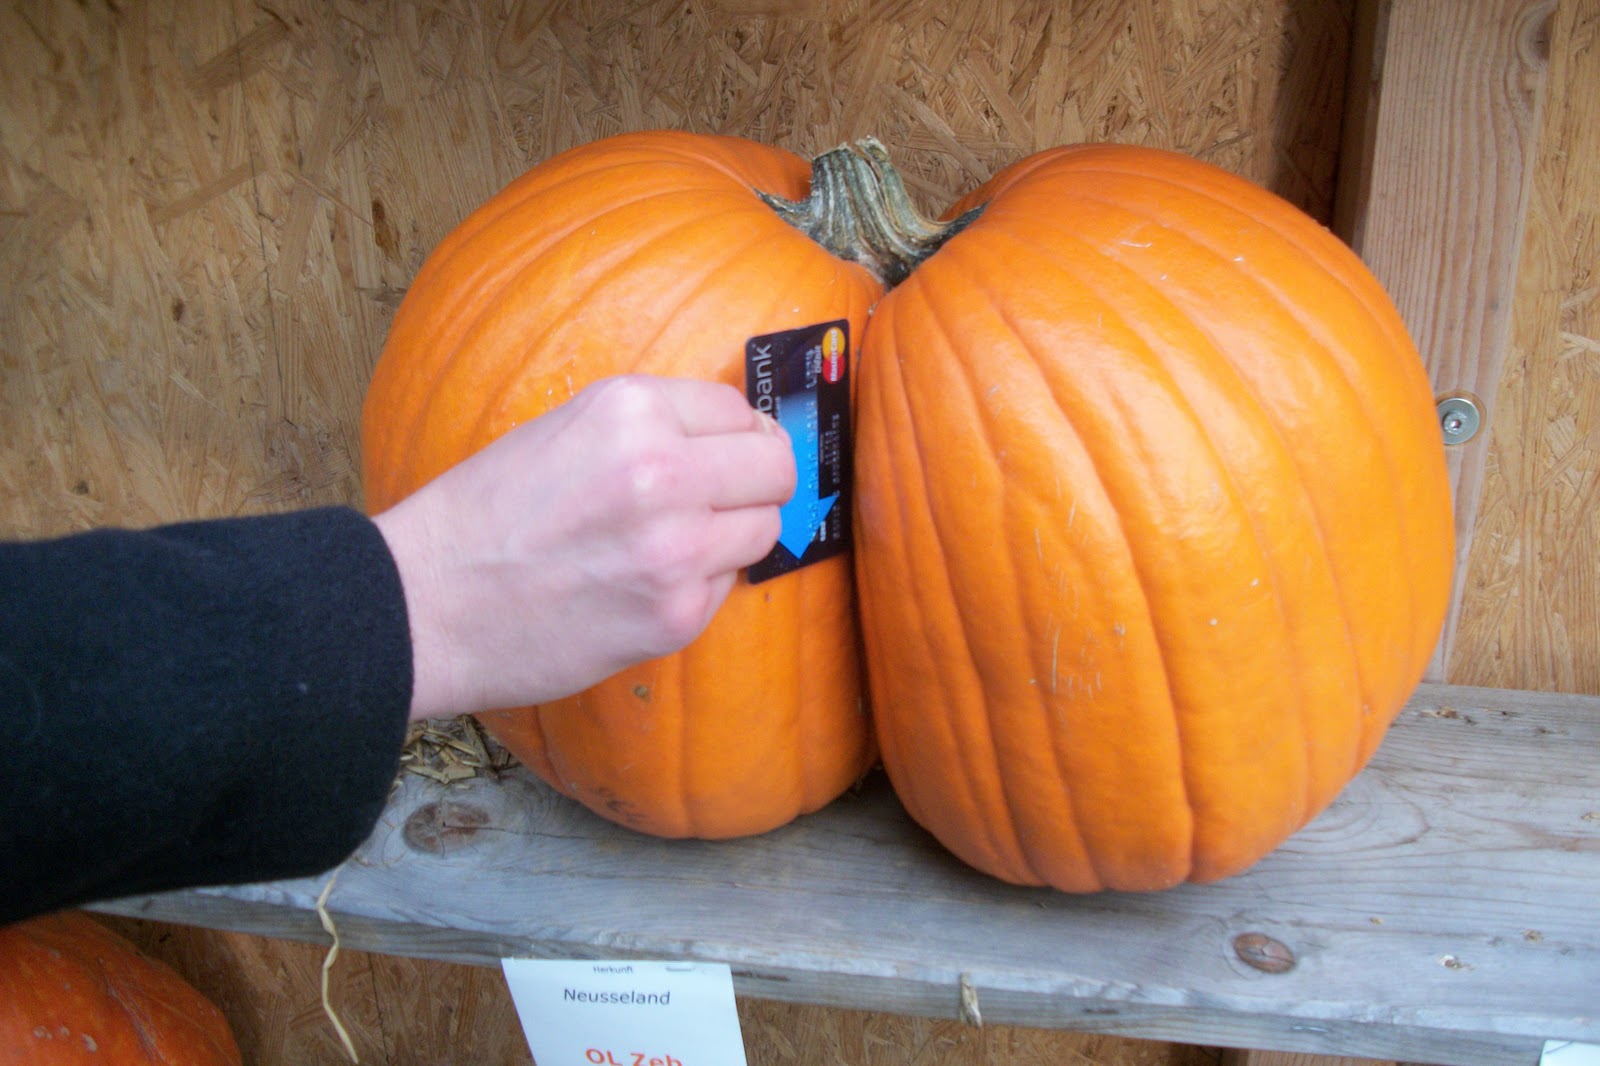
(626, 1012)
(1569, 1053)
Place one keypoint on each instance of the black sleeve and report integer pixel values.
(206, 703)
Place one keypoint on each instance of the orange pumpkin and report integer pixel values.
(645, 253)
(1153, 532)
(73, 991)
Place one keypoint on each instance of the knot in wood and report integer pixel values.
(439, 827)
(1262, 952)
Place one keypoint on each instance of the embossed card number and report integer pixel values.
(626, 1012)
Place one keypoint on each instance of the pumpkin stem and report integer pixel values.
(859, 210)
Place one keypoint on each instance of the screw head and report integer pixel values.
(1459, 419)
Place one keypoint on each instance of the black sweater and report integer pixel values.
(206, 703)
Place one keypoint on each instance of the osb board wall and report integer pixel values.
(208, 212)
(215, 207)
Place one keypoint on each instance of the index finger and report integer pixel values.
(754, 471)
(707, 408)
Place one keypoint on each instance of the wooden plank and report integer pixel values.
(1531, 614)
(1442, 122)
(1442, 910)
(1292, 1058)
(405, 1010)
(1529, 607)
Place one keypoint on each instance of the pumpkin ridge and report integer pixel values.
(1380, 695)
(873, 416)
(1387, 319)
(1271, 563)
(1244, 515)
(457, 329)
(1284, 221)
(536, 717)
(514, 367)
(1039, 361)
(1064, 773)
(172, 1010)
(514, 198)
(139, 1022)
(1165, 651)
(1313, 804)
(1318, 342)
(794, 770)
(688, 808)
(816, 789)
(136, 1012)
(694, 290)
(941, 538)
(460, 246)
(906, 500)
(649, 146)
(420, 377)
(691, 663)
(678, 681)
(1334, 257)
(733, 169)
(1382, 432)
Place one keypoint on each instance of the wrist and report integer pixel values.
(433, 692)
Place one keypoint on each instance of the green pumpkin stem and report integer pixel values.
(859, 210)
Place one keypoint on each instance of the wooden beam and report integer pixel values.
(1442, 120)
(1258, 1057)
(1442, 910)
(1238, 1057)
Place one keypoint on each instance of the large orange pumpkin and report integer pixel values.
(1153, 533)
(645, 253)
(72, 991)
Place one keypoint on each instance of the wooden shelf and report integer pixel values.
(1444, 909)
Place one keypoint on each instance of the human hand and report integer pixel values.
(601, 534)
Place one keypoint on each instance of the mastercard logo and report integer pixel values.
(833, 353)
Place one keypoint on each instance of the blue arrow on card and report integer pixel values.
(804, 514)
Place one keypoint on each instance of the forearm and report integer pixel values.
(202, 703)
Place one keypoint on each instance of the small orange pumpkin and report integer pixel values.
(1153, 531)
(647, 253)
(74, 992)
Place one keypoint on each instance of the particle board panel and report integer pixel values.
(211, 210)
